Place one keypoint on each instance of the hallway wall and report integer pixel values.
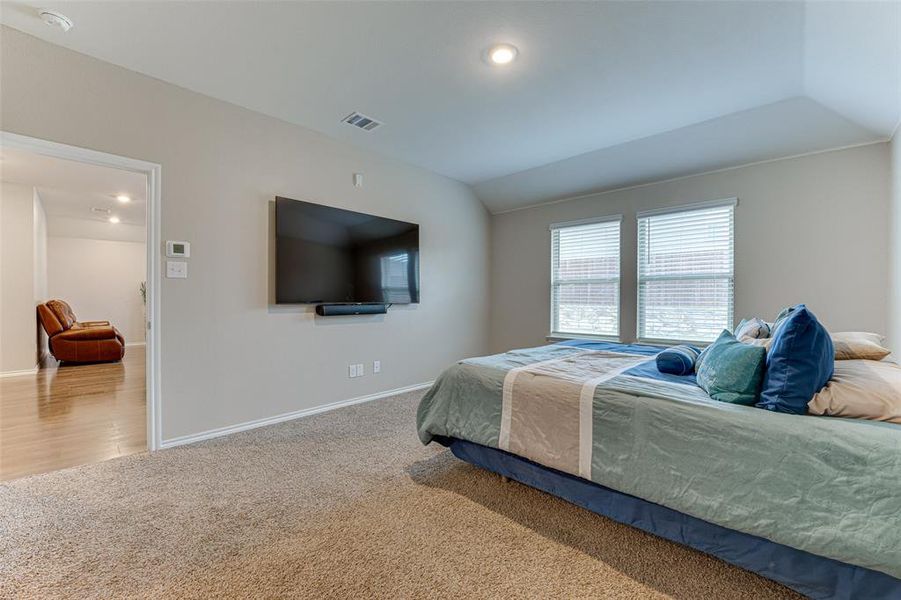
(100, 279)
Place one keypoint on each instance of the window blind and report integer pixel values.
(585, 278)
(686, 273)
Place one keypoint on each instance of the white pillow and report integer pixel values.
(752, 328)
(862, 389)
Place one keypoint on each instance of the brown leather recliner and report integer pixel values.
(72, 341)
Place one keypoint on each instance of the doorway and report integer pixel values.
(79, 359)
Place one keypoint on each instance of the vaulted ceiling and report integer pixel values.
(603, 94)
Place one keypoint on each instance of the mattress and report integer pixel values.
(824, 485)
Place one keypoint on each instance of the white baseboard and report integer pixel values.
(297, 414)
(130, 344)
(31, 371)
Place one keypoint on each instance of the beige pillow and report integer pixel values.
(765, 342)
(859, 345)
(861, 389)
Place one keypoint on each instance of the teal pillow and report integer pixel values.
(732, 371)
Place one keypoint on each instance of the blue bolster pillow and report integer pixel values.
(678, 360)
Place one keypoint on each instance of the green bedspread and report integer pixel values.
(826, 485)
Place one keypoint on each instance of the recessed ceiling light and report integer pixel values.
(123, 198)
(55, 19)
(501, 54)
(114, 220)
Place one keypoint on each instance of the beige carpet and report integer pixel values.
(339, 505)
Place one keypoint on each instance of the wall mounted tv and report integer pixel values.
(328, 255)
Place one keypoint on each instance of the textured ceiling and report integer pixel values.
(786, 128)
(594, 82)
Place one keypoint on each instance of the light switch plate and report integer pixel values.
(176, 269)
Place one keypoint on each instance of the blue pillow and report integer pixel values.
(678, 360)
(800, 361)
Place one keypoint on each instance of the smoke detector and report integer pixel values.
(55, 19)
(362, 121)
(101, 211)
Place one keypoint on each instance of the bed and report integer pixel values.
(811, 502)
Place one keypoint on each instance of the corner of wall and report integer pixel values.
(40, 269)
(18, 318)
(894, 279)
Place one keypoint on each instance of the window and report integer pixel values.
(585, 277)
(685, 272)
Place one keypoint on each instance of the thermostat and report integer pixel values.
(178, 249)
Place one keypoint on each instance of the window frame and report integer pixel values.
(553, 321)
(730, 323)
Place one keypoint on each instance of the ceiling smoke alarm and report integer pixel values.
(56, 19)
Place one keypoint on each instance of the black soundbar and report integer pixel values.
(351, 308)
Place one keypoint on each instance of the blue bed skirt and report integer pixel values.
(809, 574)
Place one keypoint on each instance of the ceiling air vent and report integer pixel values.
(362, 121)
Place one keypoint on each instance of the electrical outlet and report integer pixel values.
(351, 370)
(376, 366)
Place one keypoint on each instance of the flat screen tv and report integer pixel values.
(329, 255)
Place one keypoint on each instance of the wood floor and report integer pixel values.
(72, 415)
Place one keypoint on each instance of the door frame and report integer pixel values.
(153, 172)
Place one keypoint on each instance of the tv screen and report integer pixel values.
(330, 255)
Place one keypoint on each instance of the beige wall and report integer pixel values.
(810, 229)
(40, 249)
(894, 331)
(100, 279)
(18, 332)
(227, 356)
(40, 266)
